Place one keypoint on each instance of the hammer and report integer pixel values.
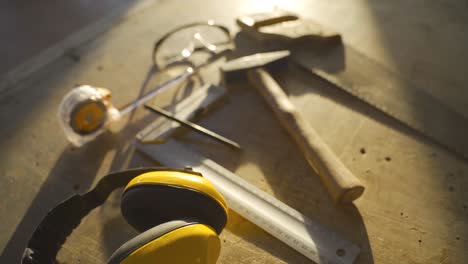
(341, 184)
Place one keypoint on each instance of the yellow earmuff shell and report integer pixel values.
(179, 214)
(183, 179)
(190, 244)
(157, 197)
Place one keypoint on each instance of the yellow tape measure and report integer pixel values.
(88, 116)
(84, 113)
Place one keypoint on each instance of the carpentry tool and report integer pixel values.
(178, 212)
(361, 77)
(308, 237)
(85, 115)
(342, 185)
(194, 127)
(284, 26)
(86, 111)
(200, 101)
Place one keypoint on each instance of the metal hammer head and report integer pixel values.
(235, 69)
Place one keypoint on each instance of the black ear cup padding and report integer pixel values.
(142, 239)
(147, 205)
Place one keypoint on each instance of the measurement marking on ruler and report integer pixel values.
(308, 237)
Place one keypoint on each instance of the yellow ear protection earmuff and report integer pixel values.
(178, 212)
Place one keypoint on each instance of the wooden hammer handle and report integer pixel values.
(342, 185)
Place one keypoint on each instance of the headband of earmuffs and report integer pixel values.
(53, 230)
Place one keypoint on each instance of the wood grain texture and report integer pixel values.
(341, 184)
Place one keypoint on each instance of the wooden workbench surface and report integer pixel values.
(414, 210)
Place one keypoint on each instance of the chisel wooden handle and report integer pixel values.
(342, 185)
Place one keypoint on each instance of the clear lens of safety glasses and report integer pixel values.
(191, 45)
